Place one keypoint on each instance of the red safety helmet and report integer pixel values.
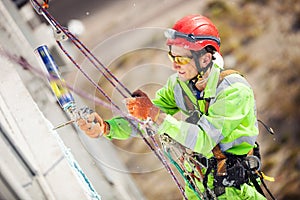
(194, 32)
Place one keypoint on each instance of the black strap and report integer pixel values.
(196, 55)
(264, 184)
(255, 183)
(211, 165)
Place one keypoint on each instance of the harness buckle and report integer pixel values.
(253, 162)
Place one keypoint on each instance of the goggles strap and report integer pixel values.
(173, 34)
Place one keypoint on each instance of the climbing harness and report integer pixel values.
(227, 169)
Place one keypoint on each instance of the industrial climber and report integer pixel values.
(220, 125)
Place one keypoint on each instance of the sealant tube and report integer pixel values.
(57, 83)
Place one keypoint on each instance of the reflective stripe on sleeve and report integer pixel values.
(178, 97)
(184, 133)
(191, 136)
(248, 139)
(214, 133)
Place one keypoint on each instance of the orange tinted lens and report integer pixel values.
(180, 60)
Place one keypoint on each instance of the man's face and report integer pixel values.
(187, 71)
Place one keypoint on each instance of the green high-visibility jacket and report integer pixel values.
(230, 120)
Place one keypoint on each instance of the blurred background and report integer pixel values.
(259, 38)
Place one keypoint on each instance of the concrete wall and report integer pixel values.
(35, 161)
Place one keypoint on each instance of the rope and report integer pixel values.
(156, 150)
(82, 48)
(105, 68)
(182, 173)
(87, 54)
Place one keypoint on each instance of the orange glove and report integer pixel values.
(94, 126)
(141, 107)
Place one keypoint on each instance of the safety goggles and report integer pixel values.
(180, 60)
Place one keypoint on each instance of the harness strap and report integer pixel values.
(223, 74)
(210, 167)
(218, 154)
(255, 183)
(221, 160)
(227, 72)
(207, 101)
(264, 184)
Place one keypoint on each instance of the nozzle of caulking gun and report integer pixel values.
(63, 124)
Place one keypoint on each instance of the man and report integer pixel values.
(219, 106)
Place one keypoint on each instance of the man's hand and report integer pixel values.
(141, 107)
(94, 126)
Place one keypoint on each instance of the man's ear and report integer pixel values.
(206, 58)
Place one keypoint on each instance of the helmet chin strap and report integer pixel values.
(201, 71)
